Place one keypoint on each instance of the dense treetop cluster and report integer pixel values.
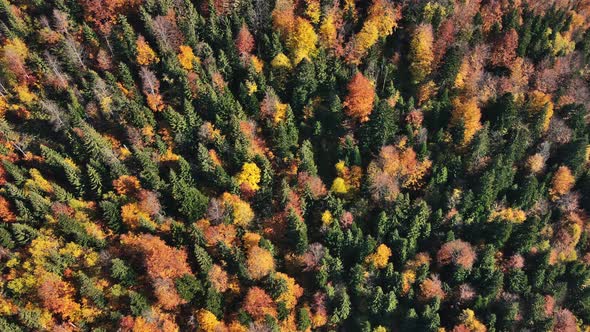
(294, 165)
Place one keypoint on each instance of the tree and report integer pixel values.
(456, 252)
(249, 176)
(380, 257)
(186, 57)
(431, 288)
(360, 98)
(302, 41)
(562, 182)
(466, 114)
(259, 304)
(244, 41)
(145, 55)
(58, 296)
(421, 54)
(259, 263)
(504, 50)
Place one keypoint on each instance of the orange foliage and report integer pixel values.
(162, 262)
(431, 288)
(58, 296)
(5, 213)
(393, 166)
(563, 181)
(260, 262)
(360, 98)
(259, 304)
(127, 185)
(104, 13)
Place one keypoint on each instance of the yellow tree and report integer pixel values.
(145, 54)
(302, 41)
(250, 175)
(466, 113)
(186, 57)
(380, 257)
(421, 55)
(541, 102)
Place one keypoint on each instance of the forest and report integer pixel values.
(294, 165)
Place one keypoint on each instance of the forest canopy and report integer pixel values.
(294, 165)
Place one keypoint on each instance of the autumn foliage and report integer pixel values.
(360, 98)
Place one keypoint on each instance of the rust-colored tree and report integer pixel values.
(244, 41)
(258, 304)
(456, 252)
(360, 98)
(504, 50)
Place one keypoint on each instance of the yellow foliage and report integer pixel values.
(563, 45)
(17, 46)
(252, 87)
(257, 64)
(145, 54)
(408, 278)
(132, 215)
(302, 41)
(328, 32)
(468, 114)
(431, 9)
(72, 249)
(421, 53)
(380, 257)
(469, 319)
(312, 10)
(280, 112)
(281, 61)
(339, 186)
(327, 218)
(241, 211)
(509, 214)
(24, 95)
(380, 329)
(540, 102)
(291, 293)
(250, 175)
(39, 181)
(207, 320)
(186, 57)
